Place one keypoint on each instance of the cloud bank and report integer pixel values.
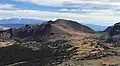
(104, 12)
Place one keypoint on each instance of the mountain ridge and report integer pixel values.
(47, 28)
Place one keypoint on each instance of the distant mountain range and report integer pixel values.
(8, 26)
(11, 25)
(97, 27)
(20, 21)
(17, 23)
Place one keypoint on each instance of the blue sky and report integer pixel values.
(102, 12)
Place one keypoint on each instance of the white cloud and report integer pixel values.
(44, 2)
(6, 6)
(82, 4)
(75, 2)
(85, 10)
(109, 17)
(63, 10)
(69, 10)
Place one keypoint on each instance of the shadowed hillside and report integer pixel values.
(114, 33)
(37, 53)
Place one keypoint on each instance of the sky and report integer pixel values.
(99, 12)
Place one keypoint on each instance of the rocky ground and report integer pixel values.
(51, 52)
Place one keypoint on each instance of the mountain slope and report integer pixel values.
(114, 33)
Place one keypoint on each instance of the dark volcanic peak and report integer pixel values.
(114, 30)
(114, 33)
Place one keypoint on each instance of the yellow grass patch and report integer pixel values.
(4, 44)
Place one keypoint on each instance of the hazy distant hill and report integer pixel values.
(7, 26)
(97, 27)
(20, 21)
(17, 23)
